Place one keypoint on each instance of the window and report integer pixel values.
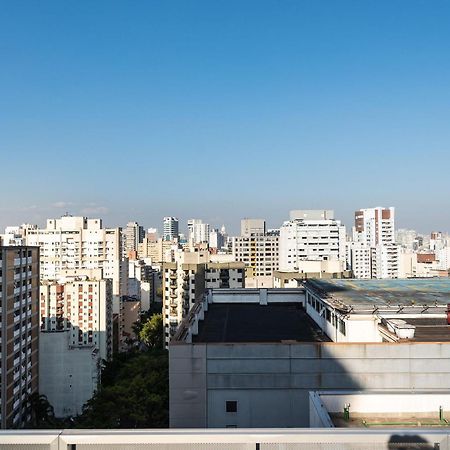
(231, 406)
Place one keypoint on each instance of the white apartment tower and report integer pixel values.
(374, 231)
(170, 228)
(198, 232)
(81, 243)
(311, 235)
(375, 226)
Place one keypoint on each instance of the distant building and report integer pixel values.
(374, 231)
(81, 243)
(198, 232)
(251, 227)
(133, 235)
(218, 240)
(258, 250)
(310, 235)
(19, 326)
(170, 228)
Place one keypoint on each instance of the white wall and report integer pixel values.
(68, 377)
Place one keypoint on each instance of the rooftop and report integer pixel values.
(383, 294)
(240, 322)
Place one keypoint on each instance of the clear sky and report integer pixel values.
(132, 110)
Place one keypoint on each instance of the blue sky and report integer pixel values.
(220, 110)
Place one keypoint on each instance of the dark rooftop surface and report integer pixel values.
(366, 294)
(430, 330)
(257, 323)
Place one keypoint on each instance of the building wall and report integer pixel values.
(82, 304)
(271, 382)
(81, 243)
(258, 252)
(19, 328)
(68, 376)
(130, 314)
(310, 240)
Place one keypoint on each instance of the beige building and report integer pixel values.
(81, 243)
(76, 335)
(79, 302)
(258, 250)
(19, 327)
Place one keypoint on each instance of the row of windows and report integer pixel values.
(329, 315)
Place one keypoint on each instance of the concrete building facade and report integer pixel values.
(19, 327)
(310, 235)
(82, 243)
(374, 231)
(258, 250)
(170, 228)
(225, 372)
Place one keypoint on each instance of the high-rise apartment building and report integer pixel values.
(133, 235)
(258, 250)
(217, 239)
(375, 226)
(79, 302)
(76, 336)
(375, 230)
(310, 235)
(19, 326)
(170, 228)
(81, 243)
(198, 232)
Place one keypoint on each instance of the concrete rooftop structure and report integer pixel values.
(257, 323)
(364, 295)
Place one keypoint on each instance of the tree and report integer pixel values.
(42, 412)
(152, 331)
(136, 396)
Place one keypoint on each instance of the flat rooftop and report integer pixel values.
(241, 322)
(411, 420)
(385, 294)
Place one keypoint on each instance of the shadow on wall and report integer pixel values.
(267, 384)
(411, 442)
(70, 367)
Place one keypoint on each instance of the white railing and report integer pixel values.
(226, 439)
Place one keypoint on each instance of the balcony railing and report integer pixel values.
(227, 439)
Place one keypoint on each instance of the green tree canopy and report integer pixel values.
(136, 396)
(152, 331)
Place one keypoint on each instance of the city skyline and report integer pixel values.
(232, 227)
(221, 111)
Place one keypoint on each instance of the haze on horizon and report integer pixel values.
(224, 110)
